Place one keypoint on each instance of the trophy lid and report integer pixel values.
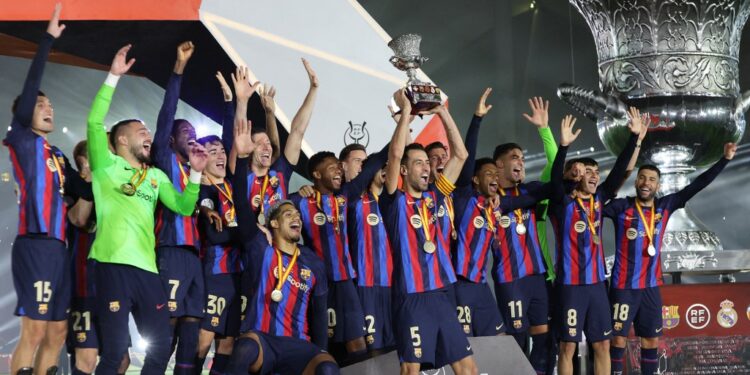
(406, 46)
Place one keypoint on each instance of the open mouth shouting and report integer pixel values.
(147, 146)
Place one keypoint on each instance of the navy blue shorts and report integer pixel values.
(346, 321)
(376, 303)
(120, 290)
(583, 307)
(181, 274)
(640, 307)
(83, 325)
(223, 305)
(427, 330)
(476, 309)
(523, 303)
(286, 355)
(41, 277)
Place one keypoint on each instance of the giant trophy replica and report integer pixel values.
(678, 61)
(406, 57)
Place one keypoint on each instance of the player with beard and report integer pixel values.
(127, 191)
(39, 258)
(177, 235)
(221, 260)
(269, 175)
(83, 324)
(581, 294)
(425, 322)
(287, 289)
(640, 223)
(325, 223)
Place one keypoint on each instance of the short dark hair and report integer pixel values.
(349, 149)
(203, 141)
(176, 126)
(588, 162)
(505, 148)
(113, 133)
(411, 147)
(316, 160)
(650, 167)
(481, 162)
(80, 150)
(15, 101)
(435, 145)
(569, 164)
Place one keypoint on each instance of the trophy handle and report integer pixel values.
(742, 104)
(592, 104)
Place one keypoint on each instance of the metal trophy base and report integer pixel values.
(423, 97)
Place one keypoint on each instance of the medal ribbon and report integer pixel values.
(60, 175)
(425, 217)
(263, 188)
(517, 211)
(284, 273)
(139, 175)
(226, 192)
(648, 226)
(183, 173)
(488, 215)
(451, 214)
(590, 214)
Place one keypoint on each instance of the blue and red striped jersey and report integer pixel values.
(577, 222)
(518, 255)
(324, 224)
(446, 215)
(417, 271)
(41, 207)
(172, 229)
(307, 279)
(275, 182)
(79, 243)
(634, 268)
(372, 255)
(476, 223)
(219, 252)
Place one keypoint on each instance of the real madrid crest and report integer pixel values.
(727, 316)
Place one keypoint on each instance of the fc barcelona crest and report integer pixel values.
(81, 336)
(114, 306)
(215, 321)
(43, 308)
(304, 273)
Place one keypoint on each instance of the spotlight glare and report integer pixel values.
(532, 5)
(65, 129)
(142, 344)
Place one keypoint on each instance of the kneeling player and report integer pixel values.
(287, 285)
(640, 223)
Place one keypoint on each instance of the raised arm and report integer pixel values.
(98, 146)
(302, 118)
(165, 120)
(243, 144)
(705, 178)
(243, 91)
(646, 121)
(27, 101)
(458, 152)
(472, 139)
(617, 175)
(567, 136)
(539, 117)
(269, 108)
(227, 120)
(398, 143)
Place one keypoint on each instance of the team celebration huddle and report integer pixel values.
(200, 241)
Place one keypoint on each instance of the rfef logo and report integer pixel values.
(697, 316)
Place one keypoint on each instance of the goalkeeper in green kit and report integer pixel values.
(126, 191)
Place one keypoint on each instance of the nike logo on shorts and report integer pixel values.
(498, 327)
(159, 307)
(468, 348)
(659, 329)
(607, 332)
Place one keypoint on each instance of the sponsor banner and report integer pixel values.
(706, 309)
